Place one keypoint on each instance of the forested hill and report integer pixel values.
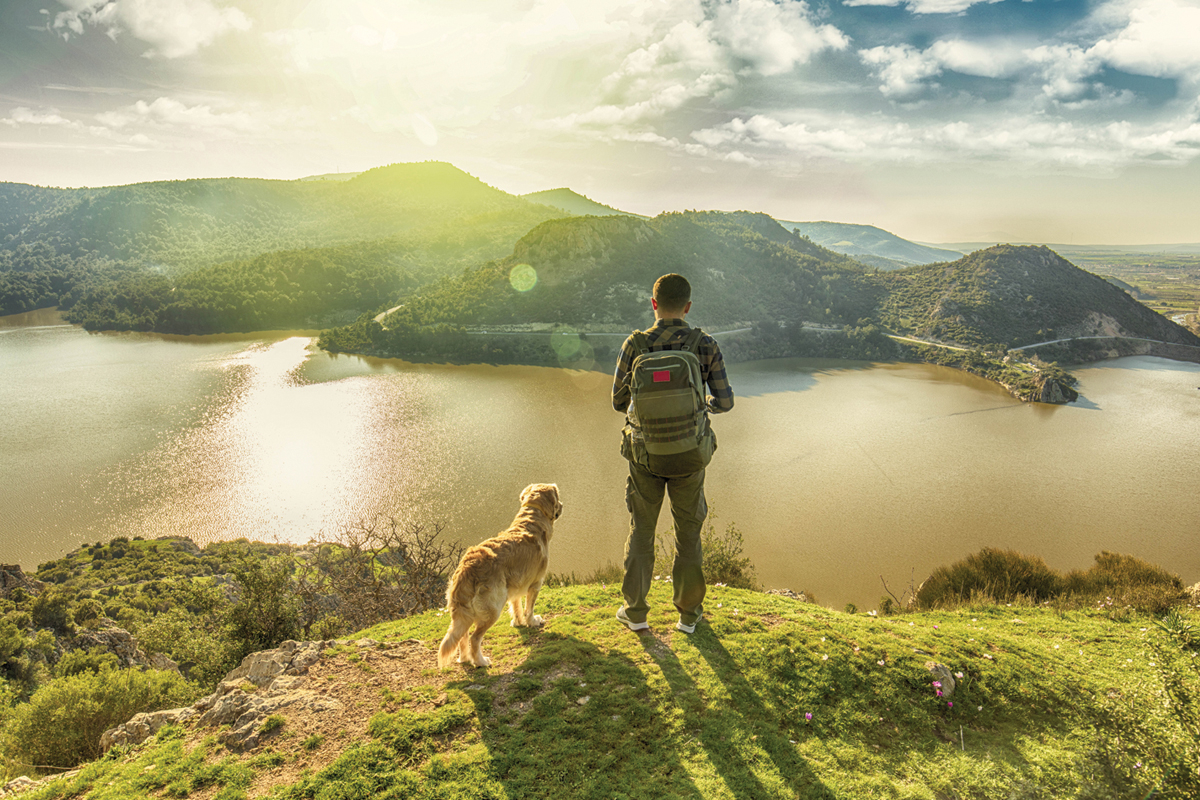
(595, 273)
(210, 256)
(1011, 296)
(177, 225)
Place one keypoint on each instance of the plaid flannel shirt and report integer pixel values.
(670, 334)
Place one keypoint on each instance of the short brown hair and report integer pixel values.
(672, 292)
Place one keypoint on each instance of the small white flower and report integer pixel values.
(825, 658)
(880, 663)
(873, 613)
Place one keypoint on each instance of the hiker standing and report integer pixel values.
(660, 385)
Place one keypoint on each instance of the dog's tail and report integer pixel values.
(460, 623)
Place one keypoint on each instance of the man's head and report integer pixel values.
(672, 296)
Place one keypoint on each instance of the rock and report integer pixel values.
(115, 640)
(278, 677)
(19, 784)
(163, 662)
(12, 577)
(143, 726)
(942, 674)
(803, 597)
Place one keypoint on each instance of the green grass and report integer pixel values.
(769, 698)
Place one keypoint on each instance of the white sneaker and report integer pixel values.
(682, 626)
(628, 623)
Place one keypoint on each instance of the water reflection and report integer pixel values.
(835, 472)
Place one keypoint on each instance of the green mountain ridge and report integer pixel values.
(179, 225)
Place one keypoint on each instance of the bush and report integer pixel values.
(992, 574)
(62, 723)
(52, 609)
(722, 553)
(95, 660)
(1115, 572)
(197, 642)
(267, 611)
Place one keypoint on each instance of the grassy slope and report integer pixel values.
(1051, 704)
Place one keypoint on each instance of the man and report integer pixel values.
(649, 476)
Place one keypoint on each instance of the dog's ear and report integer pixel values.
(525, 494)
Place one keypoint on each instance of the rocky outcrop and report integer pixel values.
(1050, 390)
(121, 643)
(262, 685)
(12, 577)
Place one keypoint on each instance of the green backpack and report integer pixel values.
(667, 429)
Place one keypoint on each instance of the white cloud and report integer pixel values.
(987, 59)
(902, 69)
(27, 116)
(173, 28)
(1161, 38)
(923, 6)
(168, 113)
(773, 37)
(1028, 142)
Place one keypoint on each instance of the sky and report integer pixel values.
(1058, 121)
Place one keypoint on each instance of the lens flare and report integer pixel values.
(573, 351)
(523, 277)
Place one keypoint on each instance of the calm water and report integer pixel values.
(835, 472)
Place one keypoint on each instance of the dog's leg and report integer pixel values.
(518, 615)
(482, 624)
(460, 623)
(531, 594)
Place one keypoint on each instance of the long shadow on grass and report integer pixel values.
(727, 736)
(580, 722)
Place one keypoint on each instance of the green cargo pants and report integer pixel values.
(644, 496)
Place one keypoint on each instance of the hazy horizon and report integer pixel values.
(1069, 122)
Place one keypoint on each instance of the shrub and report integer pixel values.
(266, 612)
(94, 660)
(52, 609)
(62, 723)
(722, 553)
(1116, 572)
(997, 575)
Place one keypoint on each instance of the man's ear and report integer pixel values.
(688, 307)
(654, 304)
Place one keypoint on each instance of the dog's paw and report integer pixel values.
(483, 661)
(536, 621)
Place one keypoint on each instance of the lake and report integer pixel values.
(836, 473)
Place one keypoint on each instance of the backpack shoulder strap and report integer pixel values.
(693, 341)
(640, 343)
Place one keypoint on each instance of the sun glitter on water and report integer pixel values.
(523, 277)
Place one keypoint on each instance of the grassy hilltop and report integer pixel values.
(770, 698)
(1084, 685)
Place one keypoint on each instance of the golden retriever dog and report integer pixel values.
(508, 568)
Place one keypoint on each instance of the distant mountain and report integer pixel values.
(1015, 295)
(871, 245)
(178, 225)
(574, 203)
(1091, 249)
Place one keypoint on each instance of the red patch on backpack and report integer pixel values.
(662, 376)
